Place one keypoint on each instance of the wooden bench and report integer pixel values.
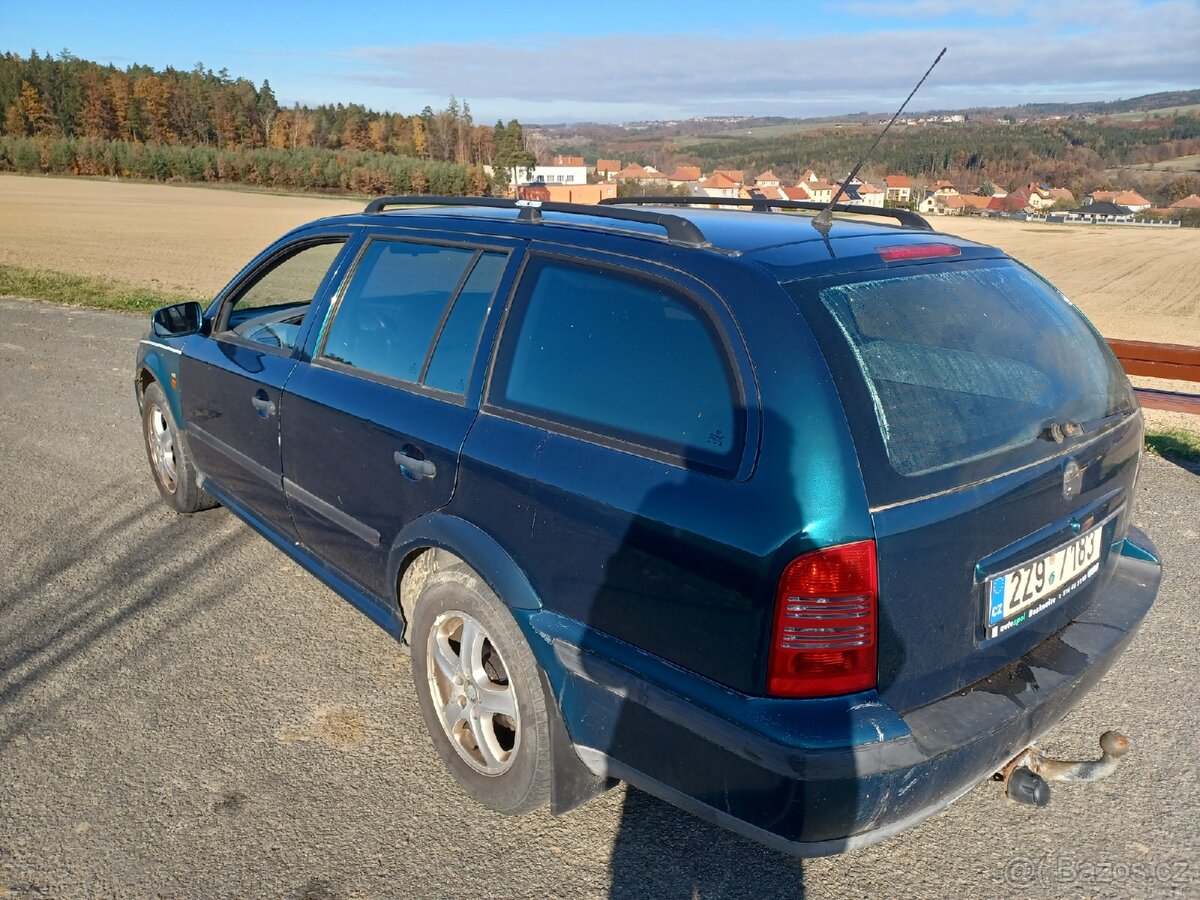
(1176, 361)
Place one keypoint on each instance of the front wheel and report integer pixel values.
(170, 460)
(478, 686)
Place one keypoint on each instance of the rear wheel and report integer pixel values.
(478, 686)
(170, 460)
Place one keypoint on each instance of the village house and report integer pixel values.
(769, 193)
(1100, 212)
(818, 191)
(767, 179)
(898, 187)
(862, 194)
(641, 174)
(974, 203)
(737, 176)
(1191, 201)
(565, 170)
(941, 204)
(1134, 201)
(944, 188)
(567, 193)
(684, 175)
(718, 184)
(606, 168)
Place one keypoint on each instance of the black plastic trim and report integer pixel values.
(905, 217)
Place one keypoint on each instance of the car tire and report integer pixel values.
(170, 459)
(479, 691)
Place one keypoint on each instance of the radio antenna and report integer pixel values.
(824, 219)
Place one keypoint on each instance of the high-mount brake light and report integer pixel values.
(902, 252)
(824, 638)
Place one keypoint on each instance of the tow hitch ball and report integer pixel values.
(1027, 775)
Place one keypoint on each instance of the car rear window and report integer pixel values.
(964, 362)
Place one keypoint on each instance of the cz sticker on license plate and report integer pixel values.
(1030, 589)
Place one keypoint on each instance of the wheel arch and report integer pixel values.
(153, 369)
(437, 540)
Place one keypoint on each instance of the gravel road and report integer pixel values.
(185, 713)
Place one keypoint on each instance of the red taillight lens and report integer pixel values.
(916, 251)
(824, 638)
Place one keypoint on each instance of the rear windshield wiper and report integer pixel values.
(1059, 431)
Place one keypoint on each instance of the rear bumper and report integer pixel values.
(813, 778)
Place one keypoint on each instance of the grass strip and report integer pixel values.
(1174, 443)
(83, 290)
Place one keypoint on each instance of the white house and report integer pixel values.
(554, 174)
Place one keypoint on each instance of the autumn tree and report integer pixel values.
(268, 108)
(153, 97)
(28, 115)
(97, 119)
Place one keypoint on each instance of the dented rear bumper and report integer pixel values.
(815, 777)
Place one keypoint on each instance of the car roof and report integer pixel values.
(776, 235)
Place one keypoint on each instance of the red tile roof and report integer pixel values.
(632, 172)
(718, 180)
(766, 176)
(736, 175)
(1191, 201)
(898, 181)
(685, 173)
(1131, 198)
(608, 165)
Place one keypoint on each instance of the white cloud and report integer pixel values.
(1122, 48)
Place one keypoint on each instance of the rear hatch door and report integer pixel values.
(999, 442)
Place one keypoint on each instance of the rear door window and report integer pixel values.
(962, 363)
(410, 307)
(624, 358)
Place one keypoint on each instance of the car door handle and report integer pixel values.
(264, 404)
(413, 468)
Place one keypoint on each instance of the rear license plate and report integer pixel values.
(1030, 589)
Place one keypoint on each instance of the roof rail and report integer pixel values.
(762, 204)
(678, 229)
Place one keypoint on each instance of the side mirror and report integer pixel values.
(178, 320)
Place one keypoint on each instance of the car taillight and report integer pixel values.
(824, 638)
(916, 251)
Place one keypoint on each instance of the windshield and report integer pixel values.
(964, 362)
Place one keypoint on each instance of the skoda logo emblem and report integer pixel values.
(1072, 479)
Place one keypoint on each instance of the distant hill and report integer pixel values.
(707, 126)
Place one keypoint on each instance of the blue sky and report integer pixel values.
(569, 61)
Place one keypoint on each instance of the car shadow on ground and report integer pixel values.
(663, 852)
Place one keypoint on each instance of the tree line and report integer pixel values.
(209, 126)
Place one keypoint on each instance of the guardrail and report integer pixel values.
(1175, 361)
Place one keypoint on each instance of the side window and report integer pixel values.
(271, 310)
(402, 297)
(455, 351)
(619, 356)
